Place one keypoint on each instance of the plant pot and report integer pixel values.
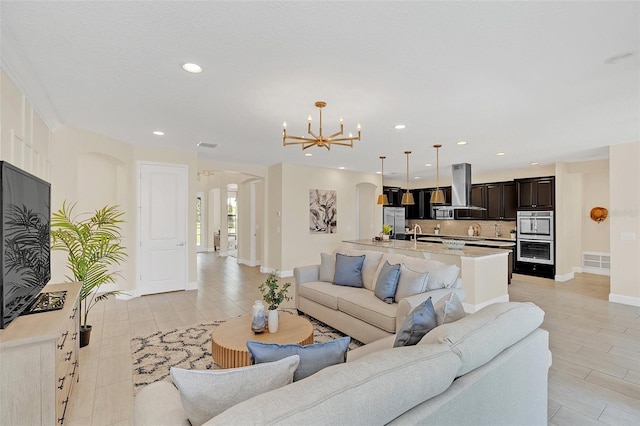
(273, 320)
(385, 237)
(85, 335)
(436, 231)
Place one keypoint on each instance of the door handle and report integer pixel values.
(180, 244)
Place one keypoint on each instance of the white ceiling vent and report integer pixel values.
(207, 145)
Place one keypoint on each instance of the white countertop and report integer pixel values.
(476, 241)
(425, 247)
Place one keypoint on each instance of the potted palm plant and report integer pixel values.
(93, 246)
(386, 230)
(273, 295)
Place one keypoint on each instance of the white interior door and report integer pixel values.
(163, 228)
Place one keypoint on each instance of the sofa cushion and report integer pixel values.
(313, 358)
(370, 266)
(449, 309)
(365, 306)
(479, 337)
(327, 267)
(410, 282)
(348, 270)
(326, 293)
(374, 389)
(207, 393)
(387, 282)
(442, 277)
(418, 323)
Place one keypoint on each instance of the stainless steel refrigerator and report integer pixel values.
(394, 216)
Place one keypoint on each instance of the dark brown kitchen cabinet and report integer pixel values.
(394, 194)
(501, 201)
(536, 193)
(477, 200)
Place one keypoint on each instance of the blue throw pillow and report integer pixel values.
(418, 323)
(313, 358)
(387, 282)
(348, 270)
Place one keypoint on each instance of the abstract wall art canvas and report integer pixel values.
(323, 212)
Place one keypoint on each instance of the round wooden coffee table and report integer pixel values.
(229, 339)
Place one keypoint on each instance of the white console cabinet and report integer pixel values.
(39, 363)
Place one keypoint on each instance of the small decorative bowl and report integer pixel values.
(453, 244)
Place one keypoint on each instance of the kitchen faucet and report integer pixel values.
(415, 230)
(497, 230)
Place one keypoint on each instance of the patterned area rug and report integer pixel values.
(190, 348)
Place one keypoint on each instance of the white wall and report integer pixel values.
(289, 187)
(624, 184)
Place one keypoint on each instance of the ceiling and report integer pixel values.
(530, 79)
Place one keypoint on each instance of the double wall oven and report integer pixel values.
(536, 237)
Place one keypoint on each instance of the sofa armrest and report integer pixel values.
(159, 404)
(406, 305)
(369, 348)
(305, 274)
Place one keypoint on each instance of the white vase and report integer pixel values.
(273, 320)
(385, 237)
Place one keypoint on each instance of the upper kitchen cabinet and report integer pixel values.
(536, 193)
(502, 201)
(422, 207)
(394, 194)
(478, 193)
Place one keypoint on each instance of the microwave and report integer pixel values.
(443, 213)
(537, 225)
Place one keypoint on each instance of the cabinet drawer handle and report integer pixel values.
(73, 313)
(65, 402)
(68, 357)
(61, 381)
(64, 339)
(74, 336)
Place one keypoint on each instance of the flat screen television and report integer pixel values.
(25, 239)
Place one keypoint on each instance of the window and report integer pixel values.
(232, 211)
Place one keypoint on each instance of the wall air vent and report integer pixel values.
(596, 262)
(207, 145)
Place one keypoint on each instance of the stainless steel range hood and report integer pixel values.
(460, 189)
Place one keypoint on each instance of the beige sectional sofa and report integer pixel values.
(357, 312)
(489, 367)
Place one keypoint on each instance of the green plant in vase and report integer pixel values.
(93, 246)
(386, 230)
(273, 295)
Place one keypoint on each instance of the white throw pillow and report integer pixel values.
(443, 277)
(207, 393)
(449, 309)
(410, 283)
(327, 267)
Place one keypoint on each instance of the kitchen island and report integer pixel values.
(484, 271)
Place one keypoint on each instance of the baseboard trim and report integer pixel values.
(625, 300)
(267, 270)
(596, 271)
(130, 294)
(249, 263)
(564, 277)
(470, 309)
(193, 285)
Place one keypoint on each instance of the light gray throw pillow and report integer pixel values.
(410, 283)
(449, 309)
(348, 270)
(313, 358)
(327, 267)
(387, 282)
(207, 393)
(418, 323)
(444, 277)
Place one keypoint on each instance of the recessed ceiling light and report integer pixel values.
(428, 165)
(400, 126)
(308, 154)
(533, 163)
(341, 168)
(192, 68)
(500, 154)
(463, 143)
(158, 133)
(416, 177)
(378, 173)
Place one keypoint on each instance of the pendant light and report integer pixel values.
(437, 196)
(382, 198)
(407, 197)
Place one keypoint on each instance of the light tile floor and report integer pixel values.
(595, 376)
